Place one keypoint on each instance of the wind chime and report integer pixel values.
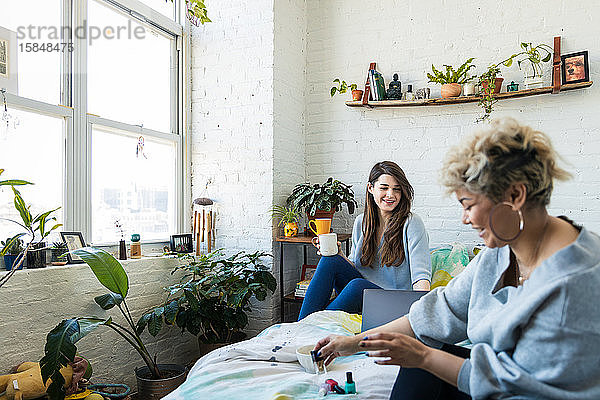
(204, 224)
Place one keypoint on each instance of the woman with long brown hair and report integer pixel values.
(390, 248)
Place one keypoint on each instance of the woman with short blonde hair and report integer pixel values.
(526, 302)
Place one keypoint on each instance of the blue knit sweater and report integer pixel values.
(416, 264)
(540, 340)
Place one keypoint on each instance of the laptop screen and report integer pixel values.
(381, 306)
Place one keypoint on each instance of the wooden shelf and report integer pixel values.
(307, 238)
(466, 99)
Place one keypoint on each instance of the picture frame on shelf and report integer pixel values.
(308, 271)
(575, 67)
(181, 243)
(74, 241)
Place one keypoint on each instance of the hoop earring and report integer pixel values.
(521, 222)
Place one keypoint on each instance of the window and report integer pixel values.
(77, 115)
(133, 184)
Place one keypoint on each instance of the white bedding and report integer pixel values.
(266, 366)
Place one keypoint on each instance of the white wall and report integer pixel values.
(38, 299)
(407, 37)
(232, 126)
(288, 104)
(263, 121)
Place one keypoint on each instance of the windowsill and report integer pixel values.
(125, 264)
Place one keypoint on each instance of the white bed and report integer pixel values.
(266, 367)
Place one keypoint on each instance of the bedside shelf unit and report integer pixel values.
(465, 99)
(305, 241)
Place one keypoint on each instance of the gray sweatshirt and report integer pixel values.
(540, 340)
(416, 264)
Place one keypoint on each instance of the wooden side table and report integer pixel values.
(304, 240)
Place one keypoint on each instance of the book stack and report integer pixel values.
(301, 288)
(377, 85)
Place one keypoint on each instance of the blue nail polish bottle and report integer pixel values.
(350, 385)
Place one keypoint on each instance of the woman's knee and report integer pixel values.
(332, 263)
(358, 285)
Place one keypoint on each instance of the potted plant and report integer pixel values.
(60, 346)
(491, 83)
(12, 247)
(288, 216)
(58, 251)
(342, 87)
(322, 200)
(533, 57)
(452, 80)
(36, 227)
(213, 297)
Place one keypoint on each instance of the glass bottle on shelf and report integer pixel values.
(409, 95)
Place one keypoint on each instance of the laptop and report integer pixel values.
(381, 306)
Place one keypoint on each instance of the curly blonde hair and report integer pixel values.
(489, 161)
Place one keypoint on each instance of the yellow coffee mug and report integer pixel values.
(322, 225)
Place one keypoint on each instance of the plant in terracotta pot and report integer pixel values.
(342, 87)
(451, 79)
(288, 216)
(60, 346)
(322, 200)
(213, 297)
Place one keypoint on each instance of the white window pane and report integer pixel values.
(165, 7)
(138, 189)
(33, 151)
(26, 26)
(129, 76)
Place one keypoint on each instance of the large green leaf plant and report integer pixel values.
(212, 299)
(328, 196)
(60, 348)
(36, 227)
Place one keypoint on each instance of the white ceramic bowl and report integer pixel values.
(304, 358)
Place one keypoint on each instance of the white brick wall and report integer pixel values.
(39, 299)
(407, 37)
(262, 118)
(232, 126)
(288, 103)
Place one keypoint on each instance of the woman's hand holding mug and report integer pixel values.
(327, 244)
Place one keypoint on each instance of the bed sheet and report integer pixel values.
(266, 368)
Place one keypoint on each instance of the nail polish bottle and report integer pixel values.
(350, 385)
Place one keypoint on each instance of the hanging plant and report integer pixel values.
(196, 12)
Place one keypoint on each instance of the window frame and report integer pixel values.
(77, 208)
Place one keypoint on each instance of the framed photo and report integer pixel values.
(182, 243)
(307, 271)
(575, 67)
(74, 241)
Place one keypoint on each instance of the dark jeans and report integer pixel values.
(335, 272)
(418, 384)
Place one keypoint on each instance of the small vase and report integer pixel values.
(122, 250)
(290, 229)
(357, 94)
(451, 90)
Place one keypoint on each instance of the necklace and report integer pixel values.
(520, 277)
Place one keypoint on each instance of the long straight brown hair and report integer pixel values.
(392, 250)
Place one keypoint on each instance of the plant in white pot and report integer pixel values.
(60, 346)
(451, 79)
